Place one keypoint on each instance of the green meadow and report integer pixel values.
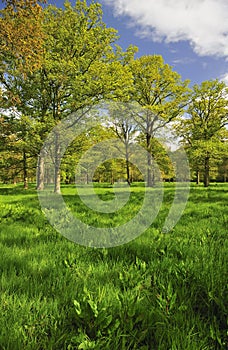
(161, 291)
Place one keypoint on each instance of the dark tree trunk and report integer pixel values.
(197, 177)
(127, 165)
(57, 141)
(206, 171)
(87, 176)
(112, 178)
(150, 177)
(40, 173)
(128, 172)
(57, 164)
(25, 171)
(131, 177)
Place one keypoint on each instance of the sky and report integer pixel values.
(191, 35)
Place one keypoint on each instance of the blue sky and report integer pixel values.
(191, 35)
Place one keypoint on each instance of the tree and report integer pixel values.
(203, 129)
(223, 170)
(161, 93)
(18, 147)
(73, 158)
(126, 130)
(160, 154)
(80, 67)
(21, 42)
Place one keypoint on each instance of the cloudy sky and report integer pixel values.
(191, 35)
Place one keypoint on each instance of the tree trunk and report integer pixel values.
(57, 164)
(127, 165)
(25, 171)
(40, 173)
(131, 177)
(150, 177)
(206, 171)
(197, 177)
(112, 178)
(87, 176)
(128, 172)
(57, 141)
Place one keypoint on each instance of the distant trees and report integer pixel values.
(126, 130)
(203, 130)
(57, 61)
(18, 147)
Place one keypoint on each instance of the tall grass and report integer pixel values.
(158, 292)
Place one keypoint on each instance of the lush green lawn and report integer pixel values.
(159, 292)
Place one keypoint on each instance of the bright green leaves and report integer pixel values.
(208, 109)
(161, 94)
(78, 46)
(204, 131)
(157, 87)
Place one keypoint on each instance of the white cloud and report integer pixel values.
(204, 23)
(225, 78)
(183, 60)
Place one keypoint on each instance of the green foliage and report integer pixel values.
(158, 88)
(162, 96)
(57, 61)
(204, 131)
(19, 146)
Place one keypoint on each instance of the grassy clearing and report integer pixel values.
(159, 292)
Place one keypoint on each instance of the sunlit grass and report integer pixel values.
(158, 292)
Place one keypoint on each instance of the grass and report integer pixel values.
(158, 292)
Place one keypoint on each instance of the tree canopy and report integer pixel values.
(204, 128)
(58, 61)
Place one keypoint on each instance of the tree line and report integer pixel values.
(59, 62)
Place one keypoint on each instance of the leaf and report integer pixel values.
(77, 307)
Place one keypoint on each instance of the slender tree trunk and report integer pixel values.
(57, 163)
(87, 176)
(225, 175)
(40, 173)
(57, 141)
(149, 171)
(131, 177)
(128, 172)
(112, 178)
(206, 171)
(197, 177)
(150, 178)
(127, 165)
(25, 171)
